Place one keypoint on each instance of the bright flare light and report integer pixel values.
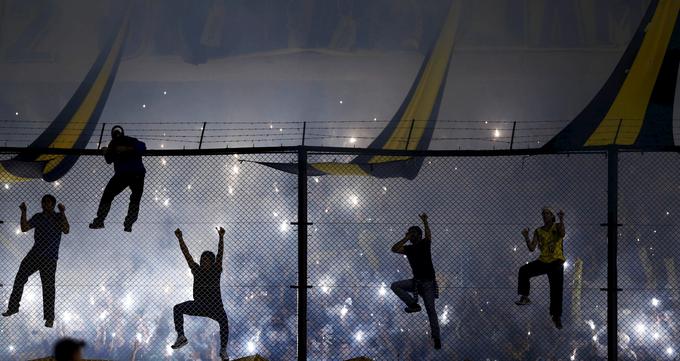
(655, 302)
(352, 140)
(11, 348)
(343, 311)
(6, 186)
(640, 328)
(67, 316)
(354, 200)
(284, 226)
(128, 301)
(669, 351)
(591, 324)
(497, 133)
(359, 336)
(383, 289)
(235, 169)
(250, 345)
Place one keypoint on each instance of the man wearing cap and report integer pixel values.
(126, 155)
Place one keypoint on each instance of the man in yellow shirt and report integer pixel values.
(549, 238)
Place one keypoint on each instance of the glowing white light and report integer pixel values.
(375, 119)
(30, 296)
(354, 200)
(316, 179)
(591, 323)
(168, 350)
(340, 101)
(359, 336)
(6, 186)
(343, 311)
(231, 190)
(352, 140)
(16, 113)
(67, 316)
(162, 145)
(669, 351)
(656, 335)
(165, 92)
(138, 336)
(103, 315)
(250, 345)
(128, 301)
(280, 130)
(529, 333)
(271, 126)
(668, 213)
(444, 318)
(566, 264)
(497, 133)
(382, 291)
(57, 183)
(595, 338)
(143, 105)
(284, 226)
(189, 186)
(326, 285)
(655, 302)
(640, 328)
(11, 348)
(166, 202)
(17, 231)
(166, 289)
(514, 249)
(235, 169)
(486, 122)
(163, 160)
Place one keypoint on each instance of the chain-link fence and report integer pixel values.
(116, 290)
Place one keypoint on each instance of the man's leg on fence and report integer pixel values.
(404, 289)
(137, 187)
(526, 273)
(427, 292)
(116, 185)
(29, 265)
(556, 281)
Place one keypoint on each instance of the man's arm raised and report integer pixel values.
(184, 248)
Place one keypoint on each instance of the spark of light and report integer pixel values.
(231, 190)
(352, 140)
(250, 346)
(591, 323)
(284, 226)
(162, 145)
(168, 350)
(163, 160)
(6, 186)
(103, 315)
(326, 285)
(128, 301)
(444, 318)
(67, 316)
(496, 133)
(382, 291)
(166, 202)
(11, 348)
(316, 179)
(16, 113)
(343, 311)
(566, 264)
(655, 302)
(640, 328)
(340, 101)
(669, 351)
(573, 355)
(57, 184)
(165, 92)
(143, 105)
(656, 335)
(189, 186)
(359, 336)
(17, 231)
(235, 169)
(138, 336)
(354, 200)
(375, 119)
(271, 126)
(595, 338)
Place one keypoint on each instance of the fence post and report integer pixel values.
(512, 137)
(612, 245)
(101, 135)
(200, 142)
(302, 254)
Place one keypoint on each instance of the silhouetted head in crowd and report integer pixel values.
(207, 260)
(68, 349)
(414, 234)
(117, 131)
(548, 216)
(48, 202)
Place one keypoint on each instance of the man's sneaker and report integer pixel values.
(413, 308)
(180, 342)
(223, 354)
(523, 300)
(127, 227)
(558, 322)
(49, 323)
(437, 344)
(96, 224)
(10, 313)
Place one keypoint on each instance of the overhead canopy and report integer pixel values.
(74, 125)
(412, 125)
(635, 106)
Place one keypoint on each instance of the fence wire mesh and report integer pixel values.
(117, 290)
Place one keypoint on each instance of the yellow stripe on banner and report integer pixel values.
(7, 177)
(425, 95)
(68, 137)
(339, 168)
(631, 103)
